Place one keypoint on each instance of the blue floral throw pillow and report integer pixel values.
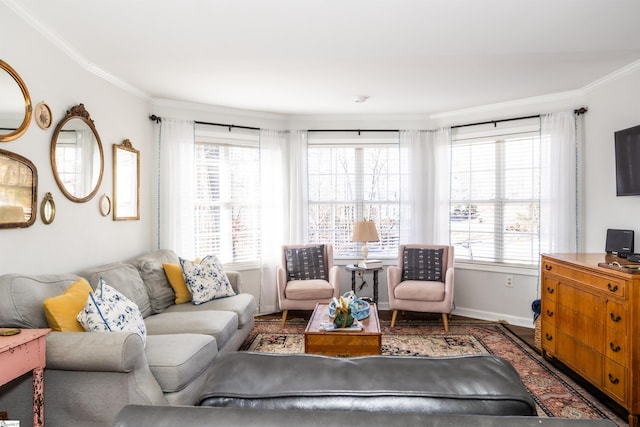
(107, 310)
(206, 281)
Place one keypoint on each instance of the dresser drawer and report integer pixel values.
(616, 346)
(611, 284)
(581, 358)
(549, 287)
(549, 311)
(617, 317)
(548, 337)
(615, 379)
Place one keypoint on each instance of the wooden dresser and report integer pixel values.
(591, 322)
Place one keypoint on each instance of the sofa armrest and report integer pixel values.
(95, 351)
(235, 279)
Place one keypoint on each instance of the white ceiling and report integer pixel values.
(316, 56)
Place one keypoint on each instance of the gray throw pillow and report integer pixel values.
(306, 263)
(422, 264)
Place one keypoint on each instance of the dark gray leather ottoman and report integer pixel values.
(479, 385)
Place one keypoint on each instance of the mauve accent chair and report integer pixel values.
(422, 281)
(306, 277)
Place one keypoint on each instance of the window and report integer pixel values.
(354, 177)
(227, 212)
(495, 194)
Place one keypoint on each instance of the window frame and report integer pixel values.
(500, 133)
(226, 141)
(362, 206)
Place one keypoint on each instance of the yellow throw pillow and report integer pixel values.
(176, 280)
(61, 310)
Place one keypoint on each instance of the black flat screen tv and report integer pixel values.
(627, 149)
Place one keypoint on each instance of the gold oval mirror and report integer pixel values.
(47, 209)
(76, 155)
(126, 181)
(18, 190)
(15, 104)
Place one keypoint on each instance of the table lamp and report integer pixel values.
(365, 231)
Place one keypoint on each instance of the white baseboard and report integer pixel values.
(526, 322)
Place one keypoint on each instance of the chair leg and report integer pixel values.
(284, 317)
(393, 318)
(445, 320)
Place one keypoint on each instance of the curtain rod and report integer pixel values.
(577, 111)
(158, 119)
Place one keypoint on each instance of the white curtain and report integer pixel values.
(559, 171)
(297, 215)
(274, 189)
(176, 186)
(424, 197)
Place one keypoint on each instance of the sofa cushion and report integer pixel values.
(61, 311)
(243, 305)
(206, 280)
(107, 310)
(219, 324)
(177, 360)
(22, 298)
(149, 266)
(176, 280)
(309, 289)
(422, 264)
(419, 290)
(125, 279)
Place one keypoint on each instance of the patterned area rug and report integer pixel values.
(556, 395)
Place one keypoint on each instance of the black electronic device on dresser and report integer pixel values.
(620, 242)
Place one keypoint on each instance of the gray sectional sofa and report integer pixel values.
(91, 376)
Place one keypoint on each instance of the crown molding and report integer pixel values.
(216, 109)
(618, 74)
(69, 51)
(525, 104)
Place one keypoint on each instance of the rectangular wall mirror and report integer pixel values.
(126, 182)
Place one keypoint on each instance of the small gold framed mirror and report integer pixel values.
(126, 182)
(15, 105)
(47, 209)
(18, 190)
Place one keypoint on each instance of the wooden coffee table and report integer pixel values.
(366, 342)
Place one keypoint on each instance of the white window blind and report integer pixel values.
(354, 177)
(495, 194)
(227, 213)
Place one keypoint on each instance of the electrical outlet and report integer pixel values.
(509, 281)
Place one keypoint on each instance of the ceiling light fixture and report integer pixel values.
(361, 98)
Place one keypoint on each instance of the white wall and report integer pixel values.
(613, 106)
(79, 237)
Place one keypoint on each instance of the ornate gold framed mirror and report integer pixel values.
(47, 209)
(126, 181)
(18, 190)
(77, 159)
(15, 104)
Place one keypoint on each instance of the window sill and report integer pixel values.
(498, 268)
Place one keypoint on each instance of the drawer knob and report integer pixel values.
(613, 380)
(548, 337)
(550, 289)
(548, 267)
(613, 348)
(615, 318)
(613, 288)
(549, 313)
